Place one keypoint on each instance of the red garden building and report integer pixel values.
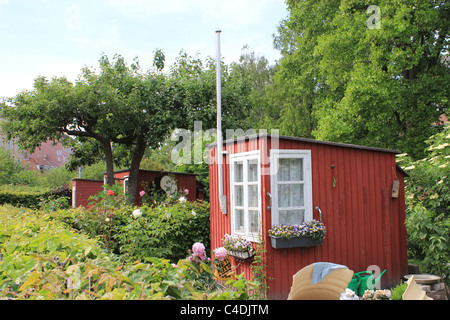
(356, 191)
(82, 189)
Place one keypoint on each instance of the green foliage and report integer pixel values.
(199, 160)
(193, 82)
(164, 230)
(34, 197)
(42, 259)
(159, 159)
(58, 177)
(256, 71)
(340, 80)
(137, 109)
(9, 168)
(397, 292)
(12, 173)
(259, 269)
(428, 204)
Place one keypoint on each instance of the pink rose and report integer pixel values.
(142, 193)
(221, 253)
(198, 248)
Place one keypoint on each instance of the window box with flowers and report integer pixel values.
(238, 247)
(307, 234)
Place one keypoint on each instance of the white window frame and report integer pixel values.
(276, 154)
(245, 157)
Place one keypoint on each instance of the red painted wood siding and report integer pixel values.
(365, 225)
(184, 181)
(82, 189)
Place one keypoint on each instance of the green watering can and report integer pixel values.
(360, 281)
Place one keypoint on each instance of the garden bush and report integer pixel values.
(23, 196)
(166, 230)
(428, 206)
(163, 231)
(41, 258)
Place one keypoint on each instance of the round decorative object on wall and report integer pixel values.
(169, 185)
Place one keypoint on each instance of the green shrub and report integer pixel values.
(427, 194)
(9, 167)
(32, 197)
(161, 231)
(58, 177)
(397, 292)
(43, 259)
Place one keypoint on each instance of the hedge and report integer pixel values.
(24, 197)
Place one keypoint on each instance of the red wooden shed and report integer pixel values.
(270, 179)
(179, 181)
(82, 189)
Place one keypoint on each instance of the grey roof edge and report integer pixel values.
(336, 144)
(156, 171)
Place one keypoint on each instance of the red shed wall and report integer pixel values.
(184, 181)
(365, 225)
(82, 189)
(146, 177)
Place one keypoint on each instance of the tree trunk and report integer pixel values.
(109, 162)
(138, 154)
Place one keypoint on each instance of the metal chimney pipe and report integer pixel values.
(222, 197)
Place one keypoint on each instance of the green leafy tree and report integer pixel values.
(9, 168)
(255, 70)
(368, 72)
(118, 104)
(297, 90)
(195, 85)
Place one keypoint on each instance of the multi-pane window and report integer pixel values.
(245, 194)
(291, 186)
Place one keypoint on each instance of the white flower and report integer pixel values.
(137, 213)
(193, 213)
(349, 292)
(107, 219)
(182, 199)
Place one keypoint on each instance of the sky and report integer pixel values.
(59, 37)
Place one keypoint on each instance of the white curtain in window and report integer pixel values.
(290, 186)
